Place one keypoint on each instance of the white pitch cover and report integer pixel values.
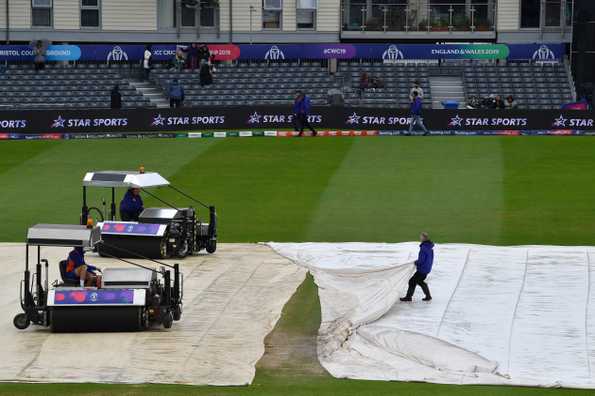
(522, 315)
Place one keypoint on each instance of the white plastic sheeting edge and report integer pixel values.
(520, 315)
(232, 300)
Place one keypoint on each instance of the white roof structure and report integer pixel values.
(63, 235)
(126, 179)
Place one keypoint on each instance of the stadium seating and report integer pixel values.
(533, 86)
(397, 78)
(65, 86)
(89, 85)
(255, 83)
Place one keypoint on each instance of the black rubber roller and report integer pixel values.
(125, 246)
(90, 319)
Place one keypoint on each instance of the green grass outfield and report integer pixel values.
(492, 190)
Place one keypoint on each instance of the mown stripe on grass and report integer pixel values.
(46, 188)
(13, 153)
(264, 189)
(549, 191)
(390, 189)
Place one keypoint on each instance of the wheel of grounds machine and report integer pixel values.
(182, 251)
(211, 245)
(21, 321)
(167, 320)
(177, 312)
(163, 248)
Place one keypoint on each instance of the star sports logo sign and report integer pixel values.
(392, 53)
(563, 122)
(456, 121)
(158, 120)
(274, 53)
(117, 54)
(560, 122)
(254, 118)
(495, 122)
(353, 119)
(58, 122)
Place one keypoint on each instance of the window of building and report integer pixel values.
(553, 12)
(271, 14)
(568, 13)
(90, 13)
(306, 14)
(41, 13)
(530, 13)
(208, 12)
(189, 13)
(190, 9)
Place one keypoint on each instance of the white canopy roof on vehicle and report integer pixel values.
(127, 179)
(63, 235)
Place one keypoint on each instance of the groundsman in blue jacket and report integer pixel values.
(301, 110)
(424, 262)
(131, 205)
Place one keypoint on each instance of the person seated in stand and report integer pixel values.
(499, 103)
(78, 270)
(364, 83)
(510, 103)
(376, 83)
(131, 205)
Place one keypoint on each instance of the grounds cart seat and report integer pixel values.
(65, 280)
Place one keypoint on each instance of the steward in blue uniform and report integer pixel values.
(301, 110)
(423, 263)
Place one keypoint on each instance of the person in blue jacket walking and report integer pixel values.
(176, 94)
(424, 262)
(416, 119)
(301, 110)
(131, 205)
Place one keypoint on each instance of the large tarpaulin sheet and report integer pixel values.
(232, 300)
(500, 315)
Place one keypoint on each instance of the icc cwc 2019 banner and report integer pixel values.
(13, 123)
(543, 52)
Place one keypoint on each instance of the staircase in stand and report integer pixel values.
(151, 92)
(447, 88)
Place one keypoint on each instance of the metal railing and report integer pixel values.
(360, 15)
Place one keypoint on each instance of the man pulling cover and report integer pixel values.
(423, 264)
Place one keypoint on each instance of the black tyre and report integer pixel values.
(168, 320)
(177, 312)
(143, 319)
(21, 321)
(211, 246)
(183, 250)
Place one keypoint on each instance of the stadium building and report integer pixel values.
(324, 46)
(283, 21)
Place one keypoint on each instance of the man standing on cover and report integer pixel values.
(423, 264)
(301, 110)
